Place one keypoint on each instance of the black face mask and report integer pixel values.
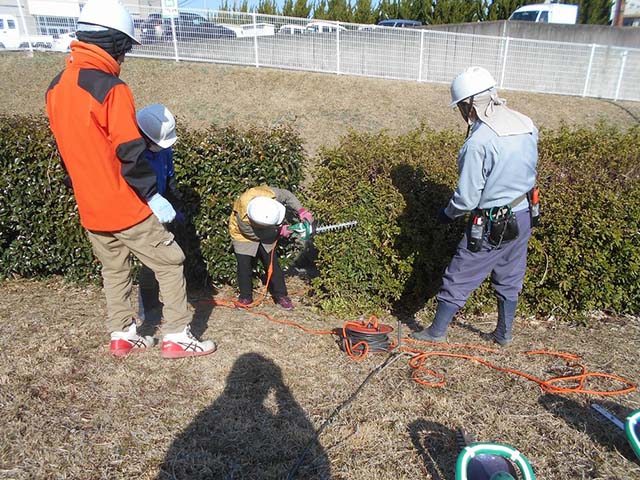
(465, 109)
(114, 42)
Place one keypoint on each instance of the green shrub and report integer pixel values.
(585, 256)
(40, 232)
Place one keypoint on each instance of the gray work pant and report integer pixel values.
(506, 264)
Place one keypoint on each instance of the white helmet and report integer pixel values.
(472, 81)
(265, 211)
(157, 123)
(109, 14)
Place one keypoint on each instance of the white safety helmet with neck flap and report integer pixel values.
(477, 84)
(158, 124)
(265, 211)
(107, 14)
(472, 81)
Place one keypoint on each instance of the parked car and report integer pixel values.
(324, 27)
(291, 29)
(547, 13)
(153, 29)
(400, 23)
(62, 41)
(189, 26)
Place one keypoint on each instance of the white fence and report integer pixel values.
(420, 55)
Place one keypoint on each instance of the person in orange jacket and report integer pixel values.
(93, 119)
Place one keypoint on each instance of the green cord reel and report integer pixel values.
(492, 461)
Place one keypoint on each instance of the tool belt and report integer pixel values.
(501, 223)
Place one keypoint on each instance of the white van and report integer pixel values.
(547, 13)
(11, 39)
(9, 34)
(292, 29)
(324, 27)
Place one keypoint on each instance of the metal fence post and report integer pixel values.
(255, 38)
(175, 38)
(588, 79)
(338, 48)
(24, 27)
(624, 61)
(504, 61)
(421, 55)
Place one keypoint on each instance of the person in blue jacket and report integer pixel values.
(158, 127)
(497, 169)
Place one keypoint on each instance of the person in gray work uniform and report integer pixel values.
(497, 170)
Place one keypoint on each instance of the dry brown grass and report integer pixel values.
(70, 411)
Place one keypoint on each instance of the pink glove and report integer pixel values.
(305, 215)
(284, 231)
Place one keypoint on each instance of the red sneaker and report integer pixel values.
(285, 303)
(184, 344)
(124, 343)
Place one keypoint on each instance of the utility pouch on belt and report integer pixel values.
(503, 225)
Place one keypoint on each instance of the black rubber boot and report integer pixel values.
(506, 314)
(437, 332)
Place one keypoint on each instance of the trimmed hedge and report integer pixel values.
(585, 256)
(40, 232)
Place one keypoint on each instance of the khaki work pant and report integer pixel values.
(156, 248)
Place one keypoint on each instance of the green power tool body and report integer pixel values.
(305, 230)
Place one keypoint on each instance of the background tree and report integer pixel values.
(363, 12)
(595, 12)
(502, 9)
(268, 7)
(301, 9)
(387, 9)
(236, 6)
(339, 10)
(320, 10)
(287, 8)
(452, 11)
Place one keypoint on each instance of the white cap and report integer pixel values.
(108, 14)
(265, 211)
(472, 81)
(159, 124)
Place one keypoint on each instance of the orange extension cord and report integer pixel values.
(419, 357)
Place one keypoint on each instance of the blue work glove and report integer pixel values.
(161, 208)
(443, 218)
(180, 218)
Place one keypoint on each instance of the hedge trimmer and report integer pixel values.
(305, 230)
(631, 426)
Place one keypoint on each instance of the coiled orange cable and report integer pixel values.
(419, 357)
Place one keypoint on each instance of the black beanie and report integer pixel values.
(112, 41)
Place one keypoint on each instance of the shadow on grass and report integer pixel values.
(255, 429)
(432, 245)
(585, 419)
(437, 447)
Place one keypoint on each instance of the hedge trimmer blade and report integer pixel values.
(335, 226)
(631, 425)
(608, 415)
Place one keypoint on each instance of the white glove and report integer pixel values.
(161, 208)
